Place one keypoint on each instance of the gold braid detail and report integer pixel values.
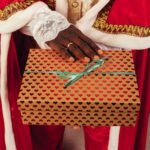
(102, 25)
(16, 6)
(13, 8)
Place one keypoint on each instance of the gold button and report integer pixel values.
(75, 4)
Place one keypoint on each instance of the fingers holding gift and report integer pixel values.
(86, 40)
(74, 49)
(62, 49)
(85, 48)
(73, 44)
(82, 48)
(98, 51)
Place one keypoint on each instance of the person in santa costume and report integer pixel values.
(111, 24)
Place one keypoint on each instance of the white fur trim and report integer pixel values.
(113, 40)
(117, 40)
(62, 7)
(15, 22)
(9, 135)
(114, 138)
(20, 19)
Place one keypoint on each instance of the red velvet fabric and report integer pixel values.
(142, 64)
(47, 137)
(136, 12)
(134, 138)
(131, 12)
(96, 138)
(22, 134)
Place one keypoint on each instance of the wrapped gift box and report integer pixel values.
(98, 99)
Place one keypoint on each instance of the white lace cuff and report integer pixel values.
(45, 26)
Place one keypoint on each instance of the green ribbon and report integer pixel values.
(74, 76)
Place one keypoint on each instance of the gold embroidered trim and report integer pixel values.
(13, 8)
(102, 25)
(16, 6)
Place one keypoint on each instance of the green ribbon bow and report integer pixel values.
(74, 76)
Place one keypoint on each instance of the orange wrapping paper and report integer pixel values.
(95, 99)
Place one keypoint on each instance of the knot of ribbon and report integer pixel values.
(74, 76)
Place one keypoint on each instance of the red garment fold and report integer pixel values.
(134, 138)
(130, 12)
(142, 62)
(21, 132)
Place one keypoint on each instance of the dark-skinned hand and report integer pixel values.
(73, 44)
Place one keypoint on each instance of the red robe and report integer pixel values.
(134, 138)
(136, 12)
(130, 137)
